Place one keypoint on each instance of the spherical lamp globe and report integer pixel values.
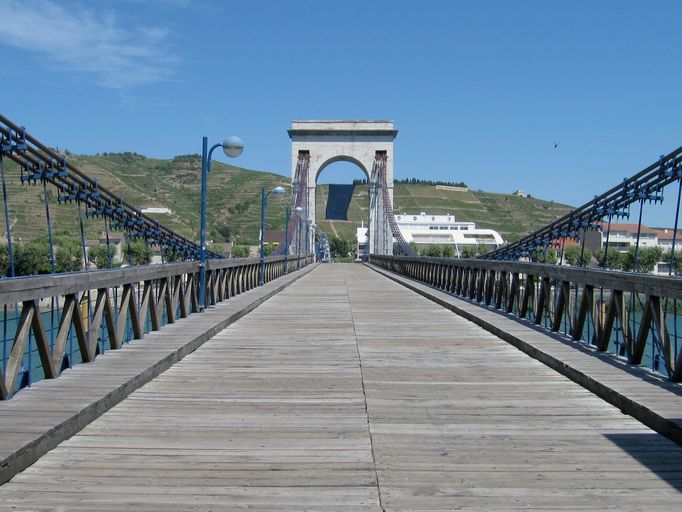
(233, 146)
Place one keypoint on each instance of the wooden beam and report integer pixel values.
(70, 306)
(80, 327)
(16, 354)
(514, 290)
(584, 308)
(95, 325)
(134, 315)
(42, 343)
(528, 296)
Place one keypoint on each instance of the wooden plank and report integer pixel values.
(648, 396)
(349, 392)
(40, 417)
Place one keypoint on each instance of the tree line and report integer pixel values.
(34, 257)
(647, 258)
(417, 181)
(445, 251)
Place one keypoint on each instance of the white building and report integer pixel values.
(361, 240)
(155, 210)
(665, 239)
(425, 230)
(623, 236)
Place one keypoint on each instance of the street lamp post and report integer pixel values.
(233, 147)
(263, 203)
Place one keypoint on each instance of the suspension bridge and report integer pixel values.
(408, 383)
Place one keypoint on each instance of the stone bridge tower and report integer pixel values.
(350, 141)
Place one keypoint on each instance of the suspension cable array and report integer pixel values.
(380, 171)
(644, 187)
(300, 191)
(38, 163)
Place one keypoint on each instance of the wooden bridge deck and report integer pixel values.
(348, 392)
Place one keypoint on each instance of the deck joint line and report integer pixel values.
(364, 395)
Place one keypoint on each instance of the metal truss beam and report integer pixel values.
(37, 162)
(645, 186)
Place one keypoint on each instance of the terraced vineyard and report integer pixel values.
(233, 197)
(234, 200)
(511, 215)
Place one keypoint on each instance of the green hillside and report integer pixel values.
(234, 200)
(233, 197)
(510, 215)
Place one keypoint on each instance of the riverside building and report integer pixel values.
(426, 229)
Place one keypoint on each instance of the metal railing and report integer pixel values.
(38, 163)
(632, 315)
(646, 186)
(51, 322)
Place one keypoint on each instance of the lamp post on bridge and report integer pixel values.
(233, 147)
(263, 203)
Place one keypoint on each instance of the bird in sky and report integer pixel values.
(556, 145)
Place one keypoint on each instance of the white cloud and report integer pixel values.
(80, 40)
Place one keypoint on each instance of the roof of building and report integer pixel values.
(667, 234)
(274, 235)
(567, 242)
(623, 227)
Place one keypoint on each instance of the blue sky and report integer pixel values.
(480, 91)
